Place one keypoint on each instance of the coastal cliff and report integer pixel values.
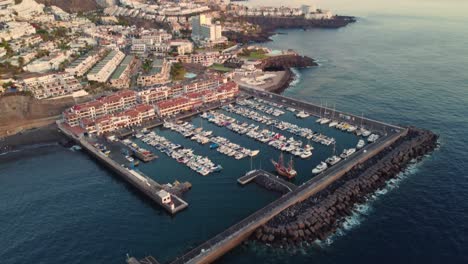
(322, 214)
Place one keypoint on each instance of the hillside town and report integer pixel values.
(133, 60)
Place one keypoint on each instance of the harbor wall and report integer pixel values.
(142, 183)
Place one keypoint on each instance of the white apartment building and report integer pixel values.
(104, 69)
(51, 85)
(51, 62)
(204, 29)
(84, 63)
(183, 46)
(14, 30)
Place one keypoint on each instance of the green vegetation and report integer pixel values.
(147, 65)
(17, 2)
(97, 88)
(177, 72)
(256, 54)
(7, 70)
(42, 53)
(4, 44)
(220, 67)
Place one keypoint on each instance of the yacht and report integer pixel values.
(372, 138)
(302, 114)
(333, 160)
(321, 167)
(333, 124)
(347, 152)
(324, 121)
(254, 153)
(306, 153)
(360, 144)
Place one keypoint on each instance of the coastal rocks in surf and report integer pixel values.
(283, 62)
(322, 214)
(268, 26)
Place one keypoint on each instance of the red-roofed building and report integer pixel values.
(91, 109)
(70, 118)
(119, 101)
(227, 90)
(104, 124)
(175, 90)
(173, 106)
(153, 95)
(89, 125)
(145, 112)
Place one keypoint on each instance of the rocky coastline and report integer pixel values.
(285, 63)
(322, 214)
(269, 26)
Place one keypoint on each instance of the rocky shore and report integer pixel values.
(322, 214)
(285, 63)
(269, 25)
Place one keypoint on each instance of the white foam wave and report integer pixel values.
(361, 211)
(297, 77)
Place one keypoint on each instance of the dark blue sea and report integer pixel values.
(404, 62)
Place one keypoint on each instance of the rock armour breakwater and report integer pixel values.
(320, 215)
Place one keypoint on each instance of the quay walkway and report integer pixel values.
(220, 244)
(143, 183)
(251, 175)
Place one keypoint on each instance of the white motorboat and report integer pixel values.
(302, 114)
(333, 124)
(372, 138)
(324, 121)
(333, 160)
(347, 152)
(321, 167)
(306, 154)
(360, 144)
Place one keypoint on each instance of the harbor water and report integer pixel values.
(403, 62)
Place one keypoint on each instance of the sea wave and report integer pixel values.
(297, 77)
(361, 211)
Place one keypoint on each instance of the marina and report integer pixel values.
(304, 150)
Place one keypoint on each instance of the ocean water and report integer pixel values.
(404, 62)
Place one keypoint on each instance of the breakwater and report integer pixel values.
(321, 214)
(156, 192)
